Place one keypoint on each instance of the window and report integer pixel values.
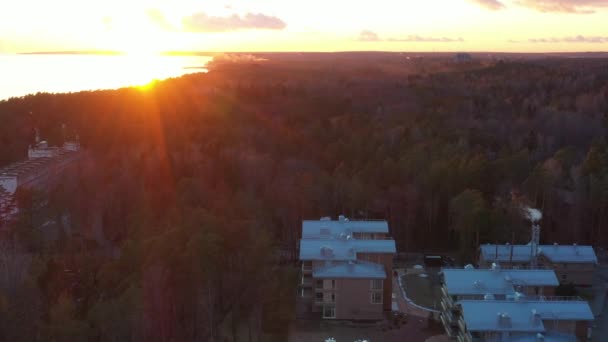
(376, 284)
(319, 297)
(564, 277)
(329, 284)
(319, 284)
(329, 297)
(329, 311)
(376, 297)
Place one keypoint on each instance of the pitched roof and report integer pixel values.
(349, 270)
(568, 253)
(517, 316)
(496, 282)
(314, 229)
(523, 253)
(343, 249)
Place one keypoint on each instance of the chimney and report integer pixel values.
(536, 321)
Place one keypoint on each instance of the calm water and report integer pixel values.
(25, 74)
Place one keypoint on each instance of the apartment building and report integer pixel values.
(492, 284)
(346, 269)
(43, 167)
(549, 319)
(572, 263)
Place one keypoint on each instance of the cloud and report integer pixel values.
(559, 6)
(370, 36)
(201, 22)
(416, 38)
(493, 5)
(107, 23)
(158, 18)
(575, 39)
(565, 6)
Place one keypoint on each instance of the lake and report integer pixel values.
(26, 74)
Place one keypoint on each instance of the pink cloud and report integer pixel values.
(201, 22)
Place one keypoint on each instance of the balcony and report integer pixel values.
(306, 268)
(449, 328)
(461, 325)
(306, 282)
(306, 293)
(446, 304)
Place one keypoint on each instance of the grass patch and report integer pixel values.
(425, 292)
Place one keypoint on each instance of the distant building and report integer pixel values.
(346, 269)
(572, 263)
(43, 167)
(462, 58)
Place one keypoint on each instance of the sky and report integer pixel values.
(149, 26)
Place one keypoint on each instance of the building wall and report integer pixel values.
(564, 327)
(578, 274)
(353, 300)
(387, 261)
(581, 329)
(539, 290)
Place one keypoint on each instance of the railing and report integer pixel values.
(532, 299)
(307, 282)
(507, 268)
(553, 298)
(306, 293)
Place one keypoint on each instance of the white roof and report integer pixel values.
(496, 282)
(342, 249)
(548, 337)
(482, 315)
(523, 253)
(315, 229)
(349, 270)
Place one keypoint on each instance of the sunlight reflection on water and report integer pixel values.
(25, 74)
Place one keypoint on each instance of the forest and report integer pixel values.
(183, 219)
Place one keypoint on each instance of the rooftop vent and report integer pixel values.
(540, 337)
(469, 267)
(327, 252)
(519, 296)
(351, 266)
(495, 266)
(325, 218)
(342, 218)
(504, 320)
(488, 297)
(536, 320)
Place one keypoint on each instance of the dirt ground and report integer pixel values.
(415, 330)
